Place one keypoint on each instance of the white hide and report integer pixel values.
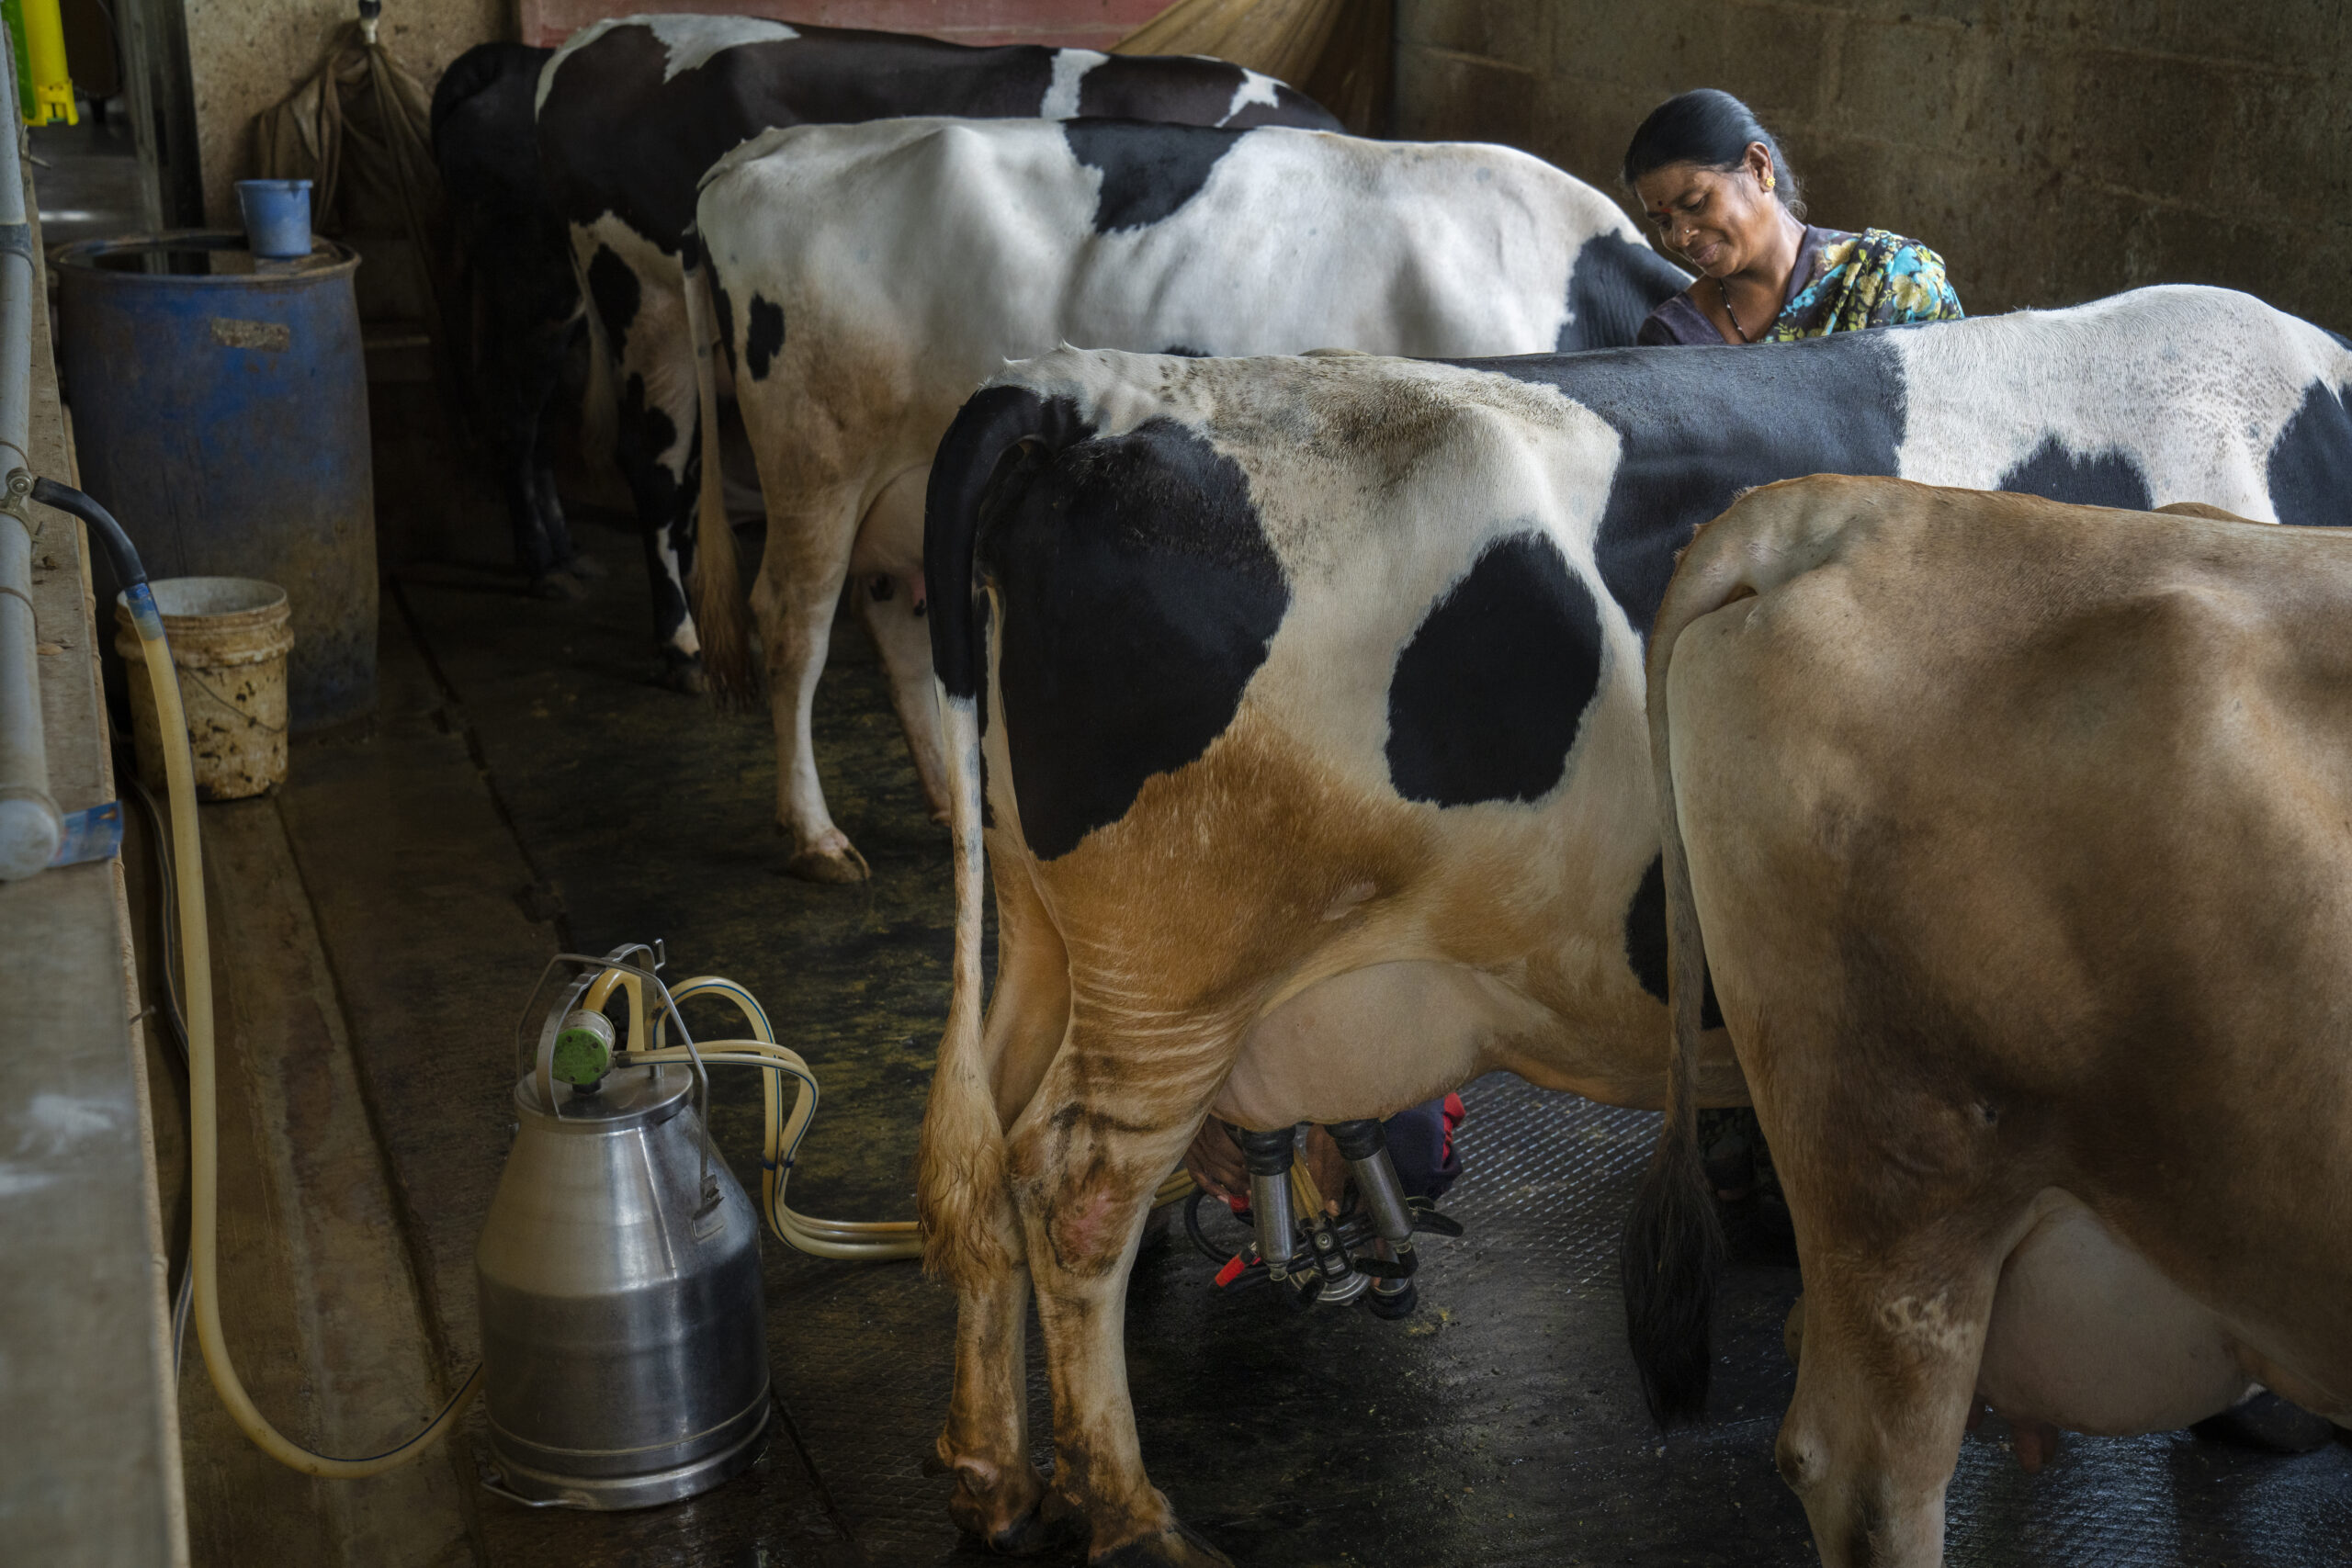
(2190, 383)
(1070, 66)
(973, 242)
(692, 40)
(1256, 88)
(688, 41)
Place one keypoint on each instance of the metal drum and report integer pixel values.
(220, 410)
(623, 1336)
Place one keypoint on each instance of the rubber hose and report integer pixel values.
(195, 990)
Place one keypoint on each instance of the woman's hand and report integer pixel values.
(1213, 1161)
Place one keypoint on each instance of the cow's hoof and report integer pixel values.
(684, 675)
(841, 865)
(1004, 1512)
(2267, 1424)
(1179, 1547)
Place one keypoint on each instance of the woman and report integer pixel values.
(1725, 202)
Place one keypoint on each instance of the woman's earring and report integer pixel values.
(1769, 181)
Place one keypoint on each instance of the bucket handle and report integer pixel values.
(619, 965)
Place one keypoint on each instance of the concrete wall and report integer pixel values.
(246, 55)
(2055, 150)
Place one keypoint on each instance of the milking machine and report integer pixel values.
(1310, 1255)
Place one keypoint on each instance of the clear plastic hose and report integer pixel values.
(204, 1137)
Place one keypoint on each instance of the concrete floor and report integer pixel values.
(524, 788)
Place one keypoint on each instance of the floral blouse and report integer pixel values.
(1841, 283)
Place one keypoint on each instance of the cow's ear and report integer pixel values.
(2198, 509)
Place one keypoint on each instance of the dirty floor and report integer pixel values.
(524, 788)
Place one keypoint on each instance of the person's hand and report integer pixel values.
(1213, 1161)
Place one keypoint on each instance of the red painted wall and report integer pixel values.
(1094, 24)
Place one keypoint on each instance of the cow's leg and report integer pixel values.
(1107, 1127)
(639, 301)
(985, 1444)
(550, 349)
(653, 447)
(1886, 1381)
(799, 584)
(894, 614)
(888, 558)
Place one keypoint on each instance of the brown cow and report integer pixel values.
(2020, 840)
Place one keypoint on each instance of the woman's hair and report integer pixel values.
(1712, 130)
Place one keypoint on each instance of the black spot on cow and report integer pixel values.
(2310, 463)
(1148, 171)
(1614, 286)
(723, 307)
(1140, 597)
(1486, 697)
(1699, 426)
(617, 293)
(2056, 472)
(1185, 89)
(619, 134)
(1645, 943)
(763, 336)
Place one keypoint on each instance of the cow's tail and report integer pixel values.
(1673, 1248)
(1674, 1245)
(970, 1229)
(721, 617)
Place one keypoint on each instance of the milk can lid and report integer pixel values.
(628, 1097)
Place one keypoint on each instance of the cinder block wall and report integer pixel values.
(2055, 150)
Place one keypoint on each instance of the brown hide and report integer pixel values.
(2020, 838)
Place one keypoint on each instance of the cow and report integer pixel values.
(2013, 836)
(866, 278)
(521, 309)
(1297, 706)
(630, 112)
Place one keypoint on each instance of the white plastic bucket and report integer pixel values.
(230, 637)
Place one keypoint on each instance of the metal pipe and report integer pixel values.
(30, 823)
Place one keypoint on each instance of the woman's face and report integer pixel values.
(1716, 220)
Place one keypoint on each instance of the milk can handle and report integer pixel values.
(543, 1069)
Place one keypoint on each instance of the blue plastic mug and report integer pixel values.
(278, 216)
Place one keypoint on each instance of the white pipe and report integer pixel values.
(30, 824)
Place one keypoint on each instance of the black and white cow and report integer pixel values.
(1299, 705)
(518, 301)
(631, 112)
(867, 277)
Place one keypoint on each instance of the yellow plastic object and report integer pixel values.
(45, 88)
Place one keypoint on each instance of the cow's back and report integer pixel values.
(2025, 826)
(631, 112)
(971, 243)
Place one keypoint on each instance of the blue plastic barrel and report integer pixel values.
(220, 410)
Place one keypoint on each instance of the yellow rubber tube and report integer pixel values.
(204, 1102)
